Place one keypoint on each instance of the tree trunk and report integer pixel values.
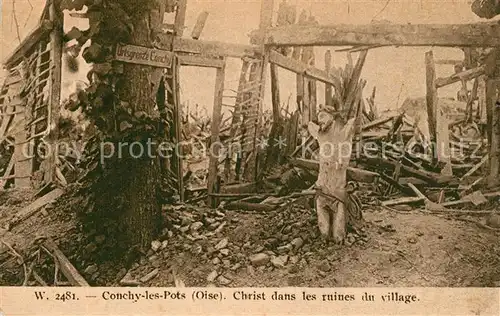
(132, 182)
(335, 153)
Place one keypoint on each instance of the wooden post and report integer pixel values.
(180, 18)
(178, 127)
(493, 130)
(431, 98)
(55, 88)
(236, 120)
(214, 137)
(328, 87)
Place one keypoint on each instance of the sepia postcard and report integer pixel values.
(262, 157)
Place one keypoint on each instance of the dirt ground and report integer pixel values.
(203, 247)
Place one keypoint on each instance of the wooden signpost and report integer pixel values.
(144, 56)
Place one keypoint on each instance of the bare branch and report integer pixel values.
(14, 16)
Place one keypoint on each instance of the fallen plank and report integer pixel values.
(31, 209)
(420, 174)
(67, 268)
(377, 122)
(417, 191)
(475, 168)
(403, 200)
(239, 188)
(247, 206)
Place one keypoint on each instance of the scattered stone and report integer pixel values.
(226, 263)
(209, 220)
(155, 245)
(235, 220)
(324, 266)
(121, 273)
(184, 229)
(212, 276)
(100, 239)
(294, 280)
(153, 258)
(151, 275)
(222, 244)
(284, 249)
(259, 249)
(322, 274)
(223, 280)
(420, 234)
(219, 213)
(236, 266)
(91, 269)
(297, 243)
(412, 240)
(260, 259)
(224, 252)
(250, 270)
(216, 261)
(195, 226)
(90, 248)
(220, 228)
(279, 262)
(293, 269)
(196, 249)
(128, 280)
(164, 244)
(493, 221)
(214, 225)
(170, 234)
(294, 259)
(94, 276)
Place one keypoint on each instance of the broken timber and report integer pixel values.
(67, 268)
(31, 209)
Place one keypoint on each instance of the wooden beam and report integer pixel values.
(299, 67)
(354, 174)
(67, 268)
(31, 209)
(213, 48)
(403, 200)
(464, 75)
(29, 41)
(214, 137)
(200, 24)
(200, 61)
(467, 35)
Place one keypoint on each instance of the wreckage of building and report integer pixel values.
(30, 105)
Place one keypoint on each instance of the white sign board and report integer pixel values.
(144, 56)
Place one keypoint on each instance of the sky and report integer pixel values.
(397, 73)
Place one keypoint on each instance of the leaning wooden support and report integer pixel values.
(34, 207)
(465, 76)
(65, 265)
